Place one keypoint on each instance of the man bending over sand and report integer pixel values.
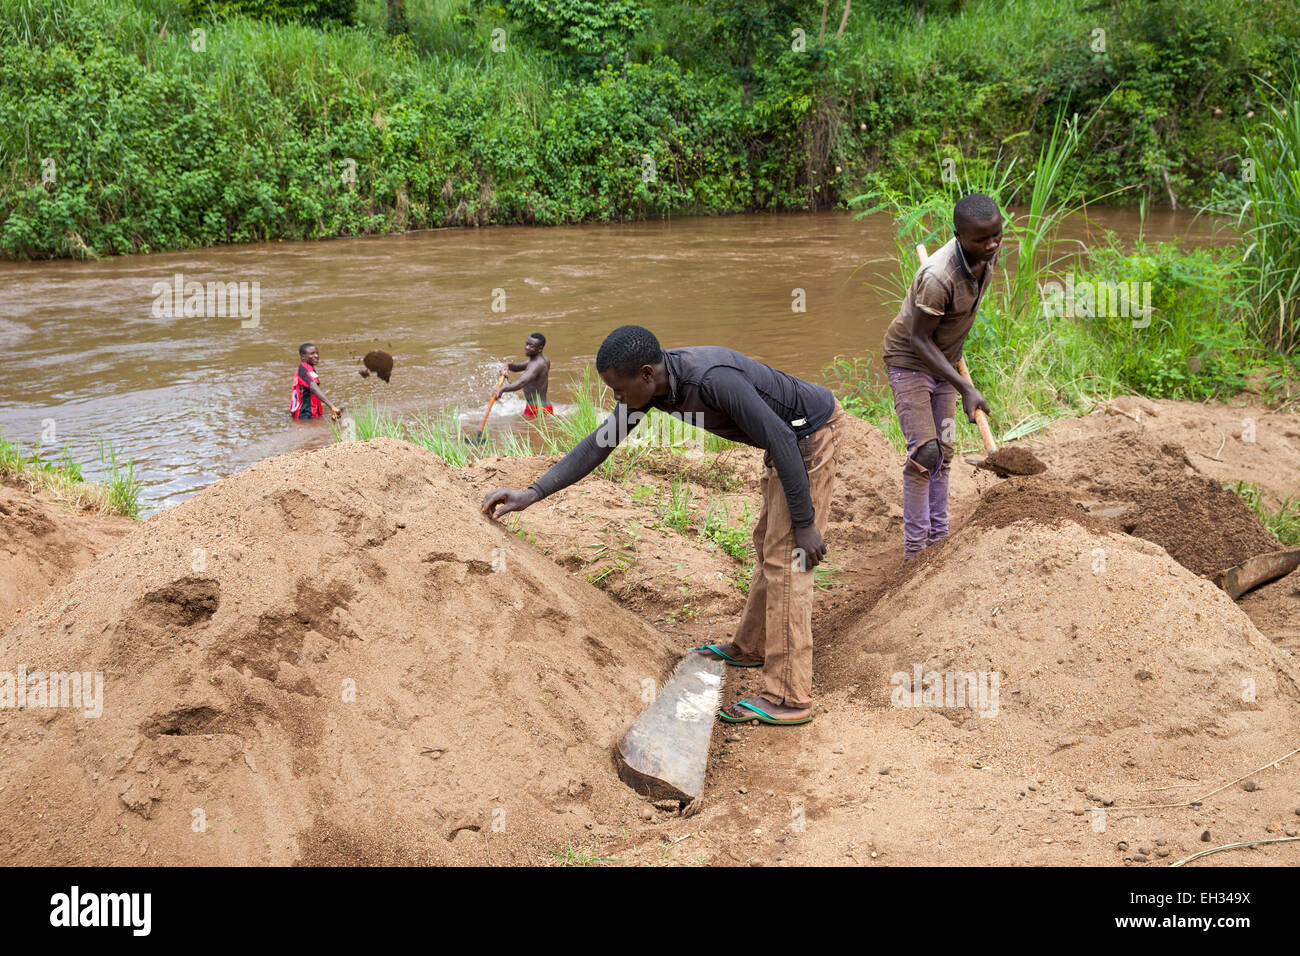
(537, 373)
(922, 347)
(796, 423)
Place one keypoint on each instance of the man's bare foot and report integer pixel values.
(778, 711)
(732, 652)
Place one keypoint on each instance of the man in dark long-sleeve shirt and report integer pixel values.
(796, 423)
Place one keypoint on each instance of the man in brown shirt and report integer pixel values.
(922, 347)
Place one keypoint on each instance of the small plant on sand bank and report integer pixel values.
(443, 434)
(675, 507)
(62, 479)
(732, 538)
(586, 856)
(1284, 521)
(121, 485)
(826, 577)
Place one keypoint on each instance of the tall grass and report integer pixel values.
(441, 433)
(1283, 521)
(1273, 214)
(62, 479)
(120, 484)
(1022, 30)
(444, 433)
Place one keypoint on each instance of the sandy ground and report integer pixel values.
(43, 544)
(1129, 687)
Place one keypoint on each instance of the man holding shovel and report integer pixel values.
(922, 347)
(537, 373)
(796, 423)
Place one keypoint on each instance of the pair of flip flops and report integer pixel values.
(731, 661)
(758, 713)
(755, 712)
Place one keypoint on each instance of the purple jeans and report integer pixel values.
(926, 408)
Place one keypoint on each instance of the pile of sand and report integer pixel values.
(1098, 640)
(867, 503)
(1158, 494)
(330, 657)
(44, 544)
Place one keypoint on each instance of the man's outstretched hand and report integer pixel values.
(505, 500)
(809, 547)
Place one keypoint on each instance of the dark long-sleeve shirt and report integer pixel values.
(731, 395)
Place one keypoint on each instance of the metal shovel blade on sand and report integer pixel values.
(1002, 462)
(665, 752)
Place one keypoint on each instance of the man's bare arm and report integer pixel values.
(315, 390)
(921, 326)
(529, 376)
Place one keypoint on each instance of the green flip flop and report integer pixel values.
(760, 715)
(731, 661)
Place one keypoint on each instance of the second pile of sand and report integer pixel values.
(330, 657)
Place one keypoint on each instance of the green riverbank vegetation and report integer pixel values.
(61, 478)
(144, 125)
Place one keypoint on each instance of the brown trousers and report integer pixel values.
(777, 623)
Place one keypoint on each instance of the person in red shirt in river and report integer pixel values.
(307, 400)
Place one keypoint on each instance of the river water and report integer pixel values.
(94, 350)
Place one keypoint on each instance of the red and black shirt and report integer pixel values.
(303, 403)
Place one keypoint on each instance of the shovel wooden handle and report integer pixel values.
(981, 420)
(492, 401)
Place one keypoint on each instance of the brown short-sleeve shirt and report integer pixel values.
(944, 286)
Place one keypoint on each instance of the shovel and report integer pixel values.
(478, 439)
(1009, 462)
(1003, 462)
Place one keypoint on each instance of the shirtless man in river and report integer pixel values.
(537, 372)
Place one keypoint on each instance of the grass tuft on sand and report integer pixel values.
(61, 479)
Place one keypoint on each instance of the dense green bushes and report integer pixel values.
(123, 129)
(593, 31)
(317, 12)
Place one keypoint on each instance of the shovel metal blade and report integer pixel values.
(665, 752)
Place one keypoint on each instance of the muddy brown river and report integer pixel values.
(195, 391)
